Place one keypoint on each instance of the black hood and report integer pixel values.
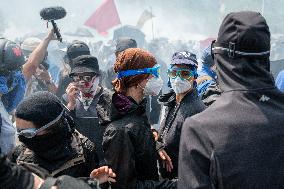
(247, 34)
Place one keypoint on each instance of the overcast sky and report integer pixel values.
(175, 19)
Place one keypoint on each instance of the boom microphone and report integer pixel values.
(53, 13)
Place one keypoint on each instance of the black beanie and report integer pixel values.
(39, 108)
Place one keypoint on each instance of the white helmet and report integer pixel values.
(30, 44)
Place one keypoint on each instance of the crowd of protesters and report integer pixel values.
(133, 118)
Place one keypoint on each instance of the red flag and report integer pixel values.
(104, 18)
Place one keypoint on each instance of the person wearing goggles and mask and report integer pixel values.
(50, 144)
(82, 96)
(180, 103)
(153, 108)
(128, 142)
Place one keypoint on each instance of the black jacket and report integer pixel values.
(238, 141)
(171, 125)
(211, 94)
(13, 176)
(128, 143)
(79, 165)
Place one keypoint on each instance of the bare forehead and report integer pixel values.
(23, 124)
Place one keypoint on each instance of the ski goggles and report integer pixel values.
(32, 132)
(155, 71)
(86, 78)
(183, 73)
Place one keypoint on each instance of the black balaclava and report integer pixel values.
(42, 108)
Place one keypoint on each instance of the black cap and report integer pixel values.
(77, 48)
(125, 43)
(85, 64)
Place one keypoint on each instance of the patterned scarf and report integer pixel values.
(88, 92)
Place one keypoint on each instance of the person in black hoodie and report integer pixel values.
(50, 145)
(180, 103)
(128, 142)
(237, 141)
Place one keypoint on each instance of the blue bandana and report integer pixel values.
(13, 94)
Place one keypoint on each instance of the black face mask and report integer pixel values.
(56, 144)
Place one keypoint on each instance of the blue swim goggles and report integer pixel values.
(155, 71)
(32, 132)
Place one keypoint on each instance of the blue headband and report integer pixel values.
(155, 71)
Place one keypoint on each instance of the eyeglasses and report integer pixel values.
(155, 71)
(181, 72)
(32, 132)
(86, 78)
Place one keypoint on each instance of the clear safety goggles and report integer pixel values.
(32, 132)
(183, 73)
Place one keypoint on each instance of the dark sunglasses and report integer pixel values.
(86, 78)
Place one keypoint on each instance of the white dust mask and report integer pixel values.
(180, 86)
(153, 86)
